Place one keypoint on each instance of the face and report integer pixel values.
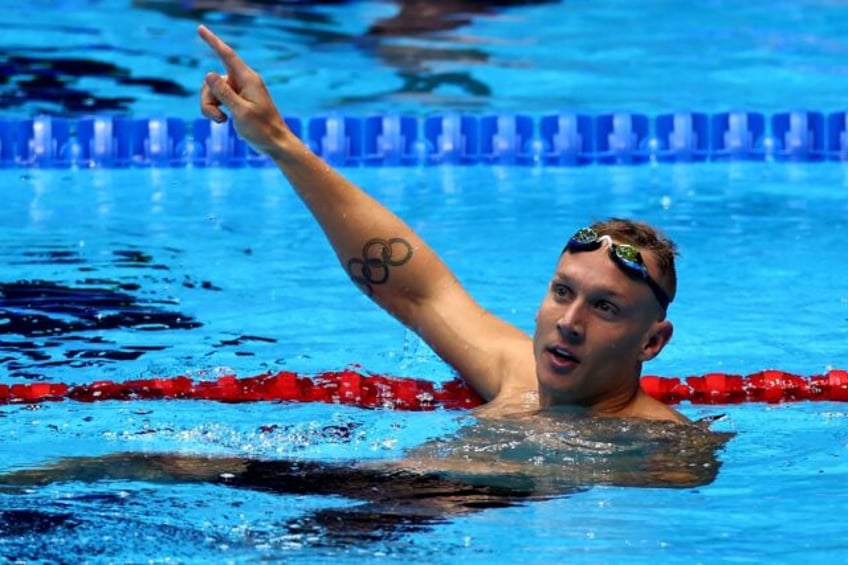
(594, 329)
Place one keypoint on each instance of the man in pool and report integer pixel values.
(602, 317)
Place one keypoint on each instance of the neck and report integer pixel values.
(619, 402)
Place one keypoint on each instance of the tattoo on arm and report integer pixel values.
(377, 256)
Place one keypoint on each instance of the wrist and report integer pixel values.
(286, 149)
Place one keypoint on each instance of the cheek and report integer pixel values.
(540, 311)
(543, 318)
(539, 323)
(622, 339)
(626, 341)
(546, 313)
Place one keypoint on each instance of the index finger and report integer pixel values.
(232, 62)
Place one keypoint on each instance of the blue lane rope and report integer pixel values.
(565, 139)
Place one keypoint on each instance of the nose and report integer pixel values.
(571, 324)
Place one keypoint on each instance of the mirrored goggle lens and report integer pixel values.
(628, 253)
(630, 257)
(584, 238)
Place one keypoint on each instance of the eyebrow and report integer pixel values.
(605, 291)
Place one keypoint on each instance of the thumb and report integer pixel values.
(220, 89)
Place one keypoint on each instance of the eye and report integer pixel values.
(606, 307)
(561, 291)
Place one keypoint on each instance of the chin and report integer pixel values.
(562, 390)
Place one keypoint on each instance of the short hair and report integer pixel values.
(647, 239)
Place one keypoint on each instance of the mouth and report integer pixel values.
(561, 356)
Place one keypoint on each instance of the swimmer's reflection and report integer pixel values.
(435, 61)
(414, 17)
(486, 464)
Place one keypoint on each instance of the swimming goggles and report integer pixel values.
(625, 256)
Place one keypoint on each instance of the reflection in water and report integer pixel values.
(51, 84)
(45, 324)
(434, 60)
(85, 310)
(426, 16)
(414, 17)
(486, 464)
(416, 42)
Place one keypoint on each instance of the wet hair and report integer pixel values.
(647, 239)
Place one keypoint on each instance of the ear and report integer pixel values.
(659, 335)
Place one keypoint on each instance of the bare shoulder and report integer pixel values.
(493, 356)
(649, 408)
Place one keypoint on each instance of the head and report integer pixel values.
(604, 315)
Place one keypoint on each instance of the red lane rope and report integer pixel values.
(400, 393)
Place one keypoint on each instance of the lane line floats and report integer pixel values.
(353, 387)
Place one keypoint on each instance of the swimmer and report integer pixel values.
(564, 408)
(603, 314)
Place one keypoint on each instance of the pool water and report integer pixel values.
(744, 231)
(206, 271)
(610, 56)
(753, 244)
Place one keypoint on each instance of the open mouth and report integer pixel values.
(562, 355)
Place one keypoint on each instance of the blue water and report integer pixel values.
(756, 292)
(652, 57)
(231, 260)
(752, 240)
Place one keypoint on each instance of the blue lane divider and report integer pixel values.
(565, 139)
(392, 140)
(682, 137)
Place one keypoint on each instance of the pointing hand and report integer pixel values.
(243, 93)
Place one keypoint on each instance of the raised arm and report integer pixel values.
(379, 251)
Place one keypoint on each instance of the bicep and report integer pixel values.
(486, 351)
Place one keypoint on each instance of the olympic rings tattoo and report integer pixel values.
(377, 256)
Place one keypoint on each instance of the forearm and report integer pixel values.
(160, 468)
(378, 250)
